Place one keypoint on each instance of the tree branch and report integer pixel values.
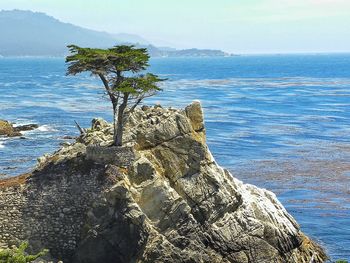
(138, 100)
(104, 81)
(135, 105)
(81, 130)
(110, 93)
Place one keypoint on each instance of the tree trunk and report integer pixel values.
(118, 134)
(115, 123)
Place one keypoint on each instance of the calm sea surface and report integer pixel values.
(280, 122)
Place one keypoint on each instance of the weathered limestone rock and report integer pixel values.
(171, 203)
(99, 124)
(6, 128)
(195, 113)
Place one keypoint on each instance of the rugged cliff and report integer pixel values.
(161, 198)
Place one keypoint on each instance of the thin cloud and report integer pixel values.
(289, 10)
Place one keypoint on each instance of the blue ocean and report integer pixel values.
(281, 122)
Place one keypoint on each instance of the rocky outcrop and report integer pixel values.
(7, 129)
(171, 203)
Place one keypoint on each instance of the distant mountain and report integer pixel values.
(194, 52)
(27, 33)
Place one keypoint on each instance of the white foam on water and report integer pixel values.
(2, 143)
(42, 128)
(46, 128)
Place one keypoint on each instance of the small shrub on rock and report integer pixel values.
(18, 254)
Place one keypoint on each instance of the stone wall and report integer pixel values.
(122, 156)
(49, 208)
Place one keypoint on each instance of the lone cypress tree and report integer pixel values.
(118, 68)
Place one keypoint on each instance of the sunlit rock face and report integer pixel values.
(5, 128)
(171, 203)
(175, 204)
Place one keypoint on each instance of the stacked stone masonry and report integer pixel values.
(48, 212)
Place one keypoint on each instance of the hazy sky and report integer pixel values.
(238, 26)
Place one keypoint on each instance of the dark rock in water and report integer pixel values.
(7, 129)
(10, 168)
(14, 134)
(27, 127)
(67, 137)
(171, 203)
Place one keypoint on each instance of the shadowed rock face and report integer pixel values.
(173, 203)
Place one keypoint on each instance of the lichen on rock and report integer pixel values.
(171, 203)
(6, 128)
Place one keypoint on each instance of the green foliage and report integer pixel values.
(111, 64)
(106, 61)
(18, 255)
(341, 261)
(140, 84)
